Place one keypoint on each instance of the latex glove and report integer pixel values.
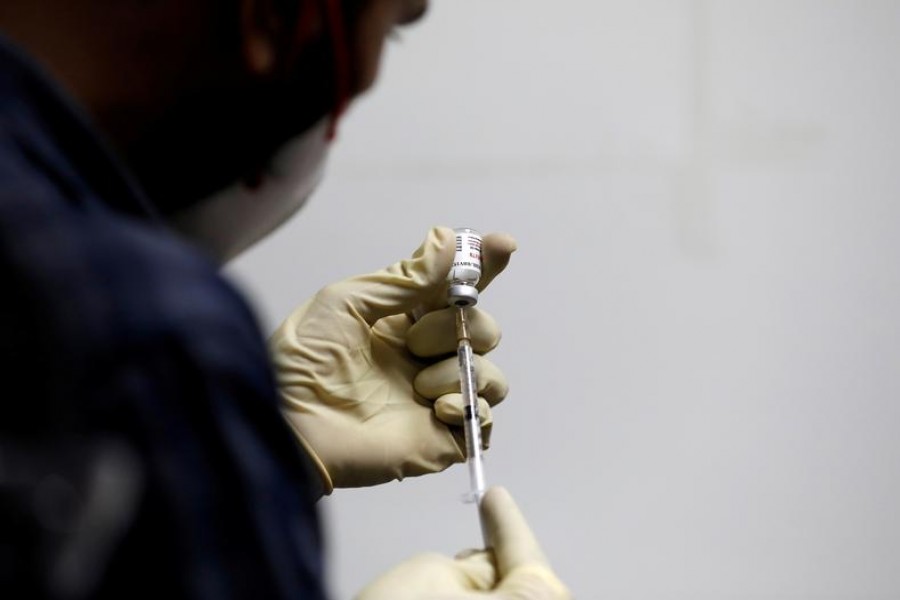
(513, 568)
(371, 394)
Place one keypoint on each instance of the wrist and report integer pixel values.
(327, 485)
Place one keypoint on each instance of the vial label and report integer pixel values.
(467, 260)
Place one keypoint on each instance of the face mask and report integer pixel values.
(230, 221)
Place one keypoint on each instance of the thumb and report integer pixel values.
(508, 533)
(522, 568)
(402, 286)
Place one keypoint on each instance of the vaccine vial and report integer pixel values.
(466, 269)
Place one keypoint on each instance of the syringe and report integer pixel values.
(462, 294)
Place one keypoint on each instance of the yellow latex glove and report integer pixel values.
(374, 395)
(513, 568)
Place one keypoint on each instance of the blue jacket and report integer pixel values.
(141, 449)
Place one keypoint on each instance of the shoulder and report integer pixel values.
(86, 285)
(121, 328)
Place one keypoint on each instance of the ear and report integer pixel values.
(273, 31)
(259, 36)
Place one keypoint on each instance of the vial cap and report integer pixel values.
(462, 295)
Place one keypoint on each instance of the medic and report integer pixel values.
(151, 443)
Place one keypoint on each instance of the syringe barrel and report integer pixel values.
(472, 420)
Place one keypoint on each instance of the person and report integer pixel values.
(151, 443)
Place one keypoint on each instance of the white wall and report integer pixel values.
(701, 326)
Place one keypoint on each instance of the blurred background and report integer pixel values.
(702, 324)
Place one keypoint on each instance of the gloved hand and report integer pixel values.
(372, 394)
(513, 568)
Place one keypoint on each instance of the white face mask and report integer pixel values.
(230, 221)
